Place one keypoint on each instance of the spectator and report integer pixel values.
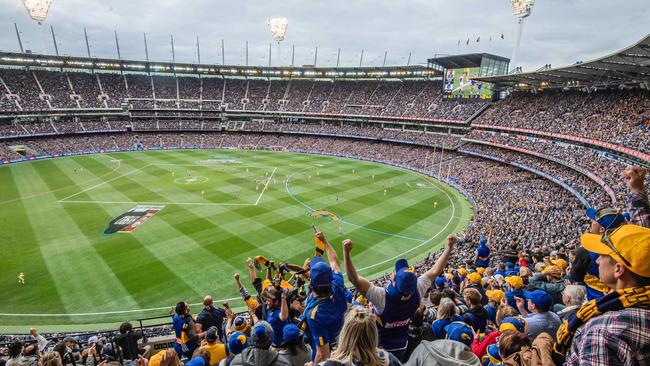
(612, 330)
(452, 351)
(540, 319)
(213, 345)
(127, 340)
(326, 304)
(210, 316)
(396, 304)
(515, 349)
(237, 343)
(260, 354)
(358, 342)
(573, 297)
(476, 316)
(52, 359)
(186, 337)
(293, 348)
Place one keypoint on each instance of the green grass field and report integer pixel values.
(219, 208)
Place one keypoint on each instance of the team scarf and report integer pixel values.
(635, 297)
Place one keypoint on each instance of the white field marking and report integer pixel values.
(451, 217)
(188, 180)
(102, 183)
(119, 164)
(109, 312)
(164, 203)
(265, 186)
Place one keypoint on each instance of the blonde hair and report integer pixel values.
(505, 311)
(446, 309)
(358, 340)
(525, 272)
(51, 359)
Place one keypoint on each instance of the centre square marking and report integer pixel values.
(232, 194)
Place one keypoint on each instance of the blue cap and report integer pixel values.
(237, 342)
(460, 332)
(440, 282)
(607, 217)
(406, 282)
(483, 241)
(291, 334)
(492, 354)
(196, 361)
(212, 334)
(320, 272)
(512, 323)
(541, 299)
(438, 327)
(262, 335)
(510, 265)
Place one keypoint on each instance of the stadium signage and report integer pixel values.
(132, 219)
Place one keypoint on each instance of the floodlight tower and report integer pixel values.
(38, 10)
(278, 28)
(521, 9)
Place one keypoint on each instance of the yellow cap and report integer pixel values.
(515, 281)
(480, 270)
(495, 295)
(553, 271)
(474, 277)
(462, 271)
(632, 243)
(560, 263)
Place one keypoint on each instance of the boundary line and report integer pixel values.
(424, 242)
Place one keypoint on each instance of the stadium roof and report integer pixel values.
(463, 61)
(628, 67)
(72, 62)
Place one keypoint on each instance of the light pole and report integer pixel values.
(521, 9)
(38, 11)
(278, 28)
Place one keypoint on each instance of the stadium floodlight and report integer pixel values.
(37, 8)
(278, 28)
(521, 9)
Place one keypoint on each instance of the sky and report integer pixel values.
(558, 32)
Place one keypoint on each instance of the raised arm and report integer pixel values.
(332, 257)
(359, 282)
(284, 307)
(441, 263)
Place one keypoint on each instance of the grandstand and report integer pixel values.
(528, 157)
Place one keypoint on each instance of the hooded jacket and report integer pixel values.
(477, 317)
(441, 353)
(259, 357)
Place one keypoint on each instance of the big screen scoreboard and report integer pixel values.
(459, 84)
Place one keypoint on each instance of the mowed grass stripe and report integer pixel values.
(22, 253)
(126, 255)
(104, 277)
(169, 244)
(63, 246)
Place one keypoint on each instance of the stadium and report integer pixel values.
(133, 190)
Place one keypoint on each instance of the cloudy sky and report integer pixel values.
(558, 32)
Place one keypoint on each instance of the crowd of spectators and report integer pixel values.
(605, 166)
(620, 117)
(46, 90)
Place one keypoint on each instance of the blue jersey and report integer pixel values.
(324, 316)
(273, 318)
(395, 319)
(182, 324)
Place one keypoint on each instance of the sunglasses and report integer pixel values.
(605, 240)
